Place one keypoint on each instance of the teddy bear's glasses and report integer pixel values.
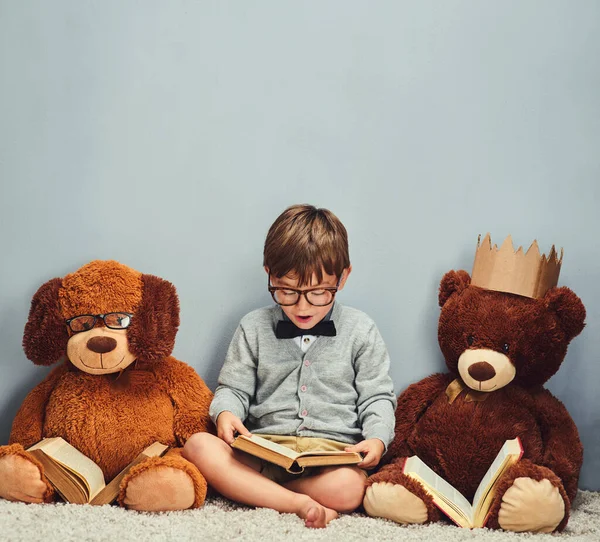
(112, 320)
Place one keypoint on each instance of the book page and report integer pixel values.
(111, 491)
(73, 460)
(155, 450)
(264, 443)
(340, 453)
(321, 460)
(508, 454)
(70, 487)
(448, 493)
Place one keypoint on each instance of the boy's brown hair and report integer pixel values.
(306, 241)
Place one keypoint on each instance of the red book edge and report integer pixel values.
(520, 456)
(436, 504)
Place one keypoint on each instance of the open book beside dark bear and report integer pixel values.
(116, 390)
(500, 348)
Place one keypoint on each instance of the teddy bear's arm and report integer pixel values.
(553, 477)
(412, 403)
(563, 451)
(191, 398)
(27, 428)
(390, 493)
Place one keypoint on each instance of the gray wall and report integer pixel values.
(169, 135)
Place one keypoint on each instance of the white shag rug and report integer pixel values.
(221, 520)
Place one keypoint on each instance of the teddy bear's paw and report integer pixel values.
(529, 505)
(395, 502)
(160, 489)
(21, 480)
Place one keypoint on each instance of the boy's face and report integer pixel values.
(303, 314)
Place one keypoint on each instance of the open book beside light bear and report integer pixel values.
(76, 477)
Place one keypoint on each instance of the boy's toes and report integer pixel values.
(315, 517)
(330, 515)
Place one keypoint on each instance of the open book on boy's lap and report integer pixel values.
(76, 478)
(289, 459)
(454, 504)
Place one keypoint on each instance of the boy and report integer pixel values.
(306, 373)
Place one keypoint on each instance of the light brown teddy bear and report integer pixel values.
(116, 391)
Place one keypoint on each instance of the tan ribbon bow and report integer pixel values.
(457, 386)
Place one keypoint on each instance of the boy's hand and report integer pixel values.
(227, 424)
(372, 448)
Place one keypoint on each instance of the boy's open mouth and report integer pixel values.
(303, 319)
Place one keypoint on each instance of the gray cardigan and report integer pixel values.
(339, 389)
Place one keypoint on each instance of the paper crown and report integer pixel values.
(529, 274)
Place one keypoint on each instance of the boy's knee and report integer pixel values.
(197, 445)
(349, 490)
(354, 491)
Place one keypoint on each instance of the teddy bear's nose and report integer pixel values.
(482, 371)
(101, 345)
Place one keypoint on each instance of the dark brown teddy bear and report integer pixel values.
(116, 390)
(500, 348)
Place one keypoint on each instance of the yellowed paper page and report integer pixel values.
(331, 452)
(155, 450)
(508, 454)
(439, 485)
(277, 448)
(73, 460)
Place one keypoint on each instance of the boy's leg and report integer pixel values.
(235, 475)
(339, 488)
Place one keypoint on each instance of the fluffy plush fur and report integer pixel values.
(460, 438)
(110, 414)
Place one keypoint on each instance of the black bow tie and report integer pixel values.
(288, 330)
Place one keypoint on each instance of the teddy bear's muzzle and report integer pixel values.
(101, 345)
(100, 350)
(485, 370)
(482, 371)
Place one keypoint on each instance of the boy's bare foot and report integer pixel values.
(315, 515)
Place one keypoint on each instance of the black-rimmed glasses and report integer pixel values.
(112, 320)
(319, 297)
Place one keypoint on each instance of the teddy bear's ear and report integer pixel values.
(453, 282)
(568, 308)
(151, 335)
(45, 337)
